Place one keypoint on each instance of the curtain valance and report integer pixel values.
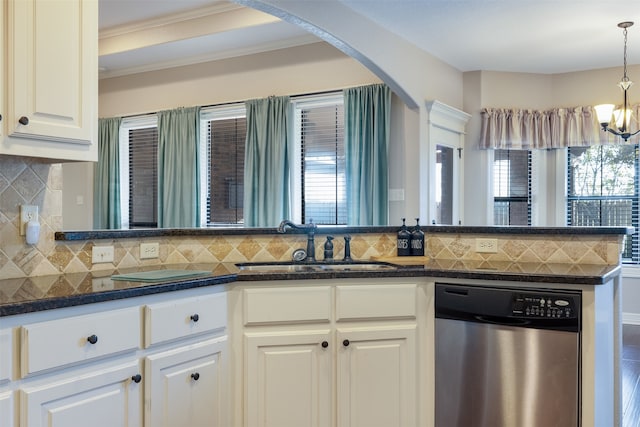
(526, 129)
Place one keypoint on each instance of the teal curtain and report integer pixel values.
(178, 168)
(267, 161)
(366, 128)
(106, 176)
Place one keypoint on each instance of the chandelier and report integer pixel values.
(607, 113)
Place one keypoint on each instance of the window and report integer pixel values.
(318, 174)
(445, 185)
(321, 173)
(226, 130)
(139, 172)
(512, 187)
(603, 189)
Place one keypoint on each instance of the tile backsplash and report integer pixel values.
(30, 181)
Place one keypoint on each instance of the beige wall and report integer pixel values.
(305, 69)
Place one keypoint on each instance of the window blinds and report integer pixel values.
(143, 177)
(323, 165)
(512, 187)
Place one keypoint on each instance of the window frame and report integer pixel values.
(127, 124)
(634, 257)
(207, 114)
(530, 188)
(219, 112)
(300, 103)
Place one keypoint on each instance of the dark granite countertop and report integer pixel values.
(173, 232)
(30, 294)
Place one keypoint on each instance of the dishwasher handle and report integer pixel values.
(505, 321)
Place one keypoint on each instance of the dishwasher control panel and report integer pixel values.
(543, 306)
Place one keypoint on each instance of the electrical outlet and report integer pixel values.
(100, 254)
(149, 250)
(27, 213)
(102, 284)
(487, 245)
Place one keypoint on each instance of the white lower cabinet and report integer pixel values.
(104, 398)
(185, 387)
(6, 409)
(83, 368)
(289, 378)
(357, 368)
(376, 378)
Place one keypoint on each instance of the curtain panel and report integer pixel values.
(267, 162)
(106, 176)
(524, 129)
(367, 112)
(178, 168)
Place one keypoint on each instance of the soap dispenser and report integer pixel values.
(328, 249)
(404, 240)
(417, 240)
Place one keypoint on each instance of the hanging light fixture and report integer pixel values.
(607, 113)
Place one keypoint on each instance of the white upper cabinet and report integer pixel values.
(3, 91)
(51, 64)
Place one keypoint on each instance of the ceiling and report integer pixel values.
(537, 36)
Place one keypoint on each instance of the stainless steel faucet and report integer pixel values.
(311, 231)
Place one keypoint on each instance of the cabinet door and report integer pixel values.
(52, 76)
(6, 355)
(187, 386)
(376, 377)
(107, 398)
(6, 409)
(3, 90)
(288, 379)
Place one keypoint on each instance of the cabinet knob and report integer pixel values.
(24, 120)
(0, 117)
(195, 376)
(195, 317)
(345, 343)
(136, 378)
(92, 339)
(325, 344)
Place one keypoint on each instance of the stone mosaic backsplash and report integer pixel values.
(72, 257)
(27, 181)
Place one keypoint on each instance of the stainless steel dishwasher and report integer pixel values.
(506, 357)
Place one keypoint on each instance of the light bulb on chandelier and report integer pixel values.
(607, 113)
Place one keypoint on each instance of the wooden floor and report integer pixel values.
(631, 376)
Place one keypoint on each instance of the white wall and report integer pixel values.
(631, 295)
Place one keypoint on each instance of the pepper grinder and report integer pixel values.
(347, 249)
(328, 249)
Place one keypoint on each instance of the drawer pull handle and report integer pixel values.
(325, 344)
(195, 317)
(345, 343)
(24, 120)
(92, 339)
(136, 378)
(195, 376)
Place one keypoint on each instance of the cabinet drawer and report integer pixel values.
(184, 317)
(64, 341)
(268, 305)
(6, 355)
(375, 301)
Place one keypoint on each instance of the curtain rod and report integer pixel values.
(325, 92)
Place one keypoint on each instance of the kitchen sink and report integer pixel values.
(275, 267)
(302, 267)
